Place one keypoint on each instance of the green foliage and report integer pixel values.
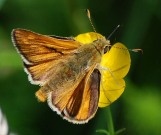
(110, 126)
(142, 109)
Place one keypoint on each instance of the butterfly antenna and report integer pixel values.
(136, 50)
(113, 32)
(133, 50)
(89, 17)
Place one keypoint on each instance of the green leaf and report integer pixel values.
(103, 131)
(120, 131)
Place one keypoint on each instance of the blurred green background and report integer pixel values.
(138, 110)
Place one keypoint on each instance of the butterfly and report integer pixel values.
(76, 74)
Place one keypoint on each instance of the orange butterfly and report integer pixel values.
(68, 71)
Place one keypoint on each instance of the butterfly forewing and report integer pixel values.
(79, 103)
(40, 53)
(89, 103)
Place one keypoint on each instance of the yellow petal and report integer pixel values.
(87, 38)
(117, 60)
(115, 65)
(110, 90)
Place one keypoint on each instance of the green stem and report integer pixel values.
(110, 125)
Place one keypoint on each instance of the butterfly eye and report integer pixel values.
(107, 48)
